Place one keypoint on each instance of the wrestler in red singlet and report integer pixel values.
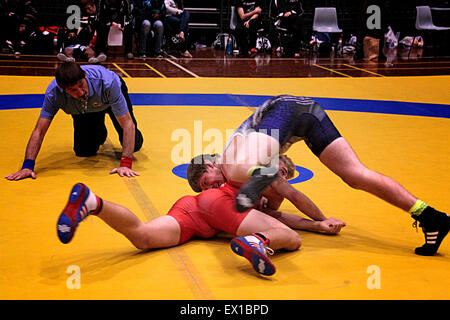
(207, 213)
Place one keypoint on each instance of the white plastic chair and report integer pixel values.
(325, 20)
(424, 22)
(424, 19)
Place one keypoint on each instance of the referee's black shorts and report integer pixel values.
(90, 130)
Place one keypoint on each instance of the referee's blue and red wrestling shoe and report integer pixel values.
(75, 211)
(254, 248)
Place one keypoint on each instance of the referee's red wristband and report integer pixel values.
(126, 162)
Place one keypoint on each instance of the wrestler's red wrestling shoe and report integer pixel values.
(76, 210)
(254, 248)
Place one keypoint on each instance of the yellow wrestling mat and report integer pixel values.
(372, 258)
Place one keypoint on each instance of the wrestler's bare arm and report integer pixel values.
(285, 190)
(272, 200)
(328, 226)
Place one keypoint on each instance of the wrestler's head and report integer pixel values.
(286, 167)
(72, 79)
(204, 172)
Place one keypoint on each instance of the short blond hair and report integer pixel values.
(289, 164)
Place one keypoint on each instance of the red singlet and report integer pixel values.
(207, 213)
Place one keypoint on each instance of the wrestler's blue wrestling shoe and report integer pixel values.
(251, 192)
(254, 249)
(74, 212)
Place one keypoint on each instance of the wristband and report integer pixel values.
(28, 164)
(126, 162)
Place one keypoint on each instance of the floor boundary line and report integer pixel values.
(154, 70)
(361, 69)
(121, 70)
(340, 73)
(182, 68)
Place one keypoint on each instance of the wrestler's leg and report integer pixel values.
(255, 233)
(280, 236)
(283, 117)
(340, 158)
(325, 141)
(161, 232)
(246, 152)
(251, 160)
(217, 209)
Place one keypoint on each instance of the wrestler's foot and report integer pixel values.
(251, 191)
(435, 226)
(81, 204)
(254, 249)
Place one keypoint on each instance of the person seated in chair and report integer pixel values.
(289, 15)
(177, 21)
(248, 23)
(149, 15)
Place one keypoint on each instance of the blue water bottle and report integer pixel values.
(229, 49)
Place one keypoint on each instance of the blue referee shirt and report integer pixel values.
(104, 92)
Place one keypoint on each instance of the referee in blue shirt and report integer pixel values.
(87, 93)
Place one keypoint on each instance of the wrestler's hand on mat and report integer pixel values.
(331, 226)
(22, 174)
(124, 172)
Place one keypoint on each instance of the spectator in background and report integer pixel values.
(290, 17)
(249, 21)
(17, 22)
(81, 44)
(149, 14)
(177, 21)
(114, 13)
